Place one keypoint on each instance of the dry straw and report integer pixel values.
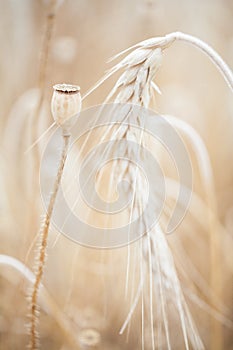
(43, 67)
(41, 83)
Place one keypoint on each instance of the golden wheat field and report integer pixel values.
(116, 174)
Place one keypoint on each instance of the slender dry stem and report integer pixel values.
(43, 67)
(209, 51)
(42, 248)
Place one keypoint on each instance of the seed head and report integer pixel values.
(66, 105)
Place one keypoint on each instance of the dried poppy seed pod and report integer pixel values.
(66, 105)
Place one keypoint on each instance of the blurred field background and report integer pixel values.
(88, 285)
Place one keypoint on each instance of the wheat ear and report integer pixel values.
(66, 104)
(163, 43)
(135, 86)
